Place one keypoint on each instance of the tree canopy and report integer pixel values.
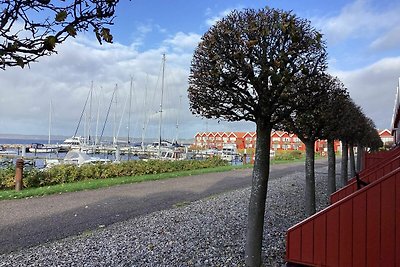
(248, 67)
(31, 29)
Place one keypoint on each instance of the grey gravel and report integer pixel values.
(208, 232)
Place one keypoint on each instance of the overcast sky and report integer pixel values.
(362, 37)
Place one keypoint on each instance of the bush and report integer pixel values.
(288, 155)
(70, 173)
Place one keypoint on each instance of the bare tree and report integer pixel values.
(246, 67)
(31, 29)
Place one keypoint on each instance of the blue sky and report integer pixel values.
(362, 37)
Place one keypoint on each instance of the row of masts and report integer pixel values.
(87, 115)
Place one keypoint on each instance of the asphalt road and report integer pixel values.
(29, 222)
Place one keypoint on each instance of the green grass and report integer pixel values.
(95, 184)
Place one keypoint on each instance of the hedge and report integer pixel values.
(67, 173)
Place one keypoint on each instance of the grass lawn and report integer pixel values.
(99, 183)
(95, 184)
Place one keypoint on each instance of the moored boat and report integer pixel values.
(73, 143)
(41, 148)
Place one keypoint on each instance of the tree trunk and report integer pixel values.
(331, 167)
(360, 153)
(344, 166)
(310, 178)
(258, 195)
(352, 162)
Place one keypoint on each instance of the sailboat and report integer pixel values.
(41, 148)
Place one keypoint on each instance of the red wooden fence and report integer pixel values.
(375, 158)
(362, 229)
(369, 175)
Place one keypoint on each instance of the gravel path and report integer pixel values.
(208, 232)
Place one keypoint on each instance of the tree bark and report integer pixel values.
(344, 166)
(360, 154)
(331, 167)
(352, 162)
(255, 221)
(310, 178)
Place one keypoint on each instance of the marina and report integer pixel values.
(44, 156)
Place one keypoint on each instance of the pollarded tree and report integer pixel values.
(353, 120)
(369, 139)
(31, 29)
(246, 67)
(337, 100)
(308, 122)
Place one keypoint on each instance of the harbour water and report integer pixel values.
(14, 148)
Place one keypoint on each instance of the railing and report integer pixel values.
(368, 175)
(362, 229)
(374, 159)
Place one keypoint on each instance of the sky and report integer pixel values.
(363, 44)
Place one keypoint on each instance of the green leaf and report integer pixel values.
(20, 62)
(71, 30)
(98, 36)
(105, 33)
(61, 16)
(50, 43)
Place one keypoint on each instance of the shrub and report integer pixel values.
(70, 173)
(288, 155)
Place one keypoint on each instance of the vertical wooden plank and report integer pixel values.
(359, 230)
(397, 263)
(346, 233)
(373, 226)
(379, 174)
(294, 245)
(307, 242)
(387, 168)
(397, 162)
(334, 197)
(332, 237)
(388, 220)
(320, 240)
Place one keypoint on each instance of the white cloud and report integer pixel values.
(65, 79)
(374, 88)
(358, 20)
(183, 41)
(387, 41)
(212, 20)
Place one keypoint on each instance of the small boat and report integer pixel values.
(41, 148)
(73, 143)
(4, 151)
(80, 158)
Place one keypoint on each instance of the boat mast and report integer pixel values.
(115, 115)
(161, 104)
(96, 140)
(177, 119)
(145, 121)
(49, 123)
(108, 112)
(89, 127)
(83, 111)
(130, 108)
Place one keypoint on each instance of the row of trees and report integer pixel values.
(269, 66)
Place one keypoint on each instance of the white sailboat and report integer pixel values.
(41, 148)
